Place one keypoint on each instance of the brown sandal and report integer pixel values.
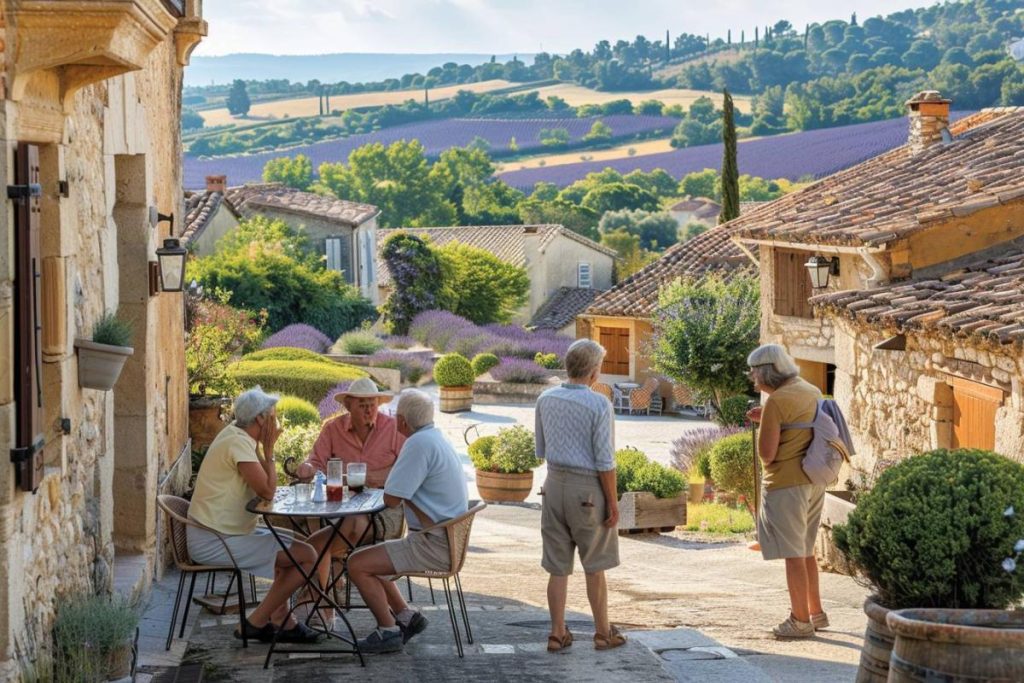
(607, 642)
(556, 644)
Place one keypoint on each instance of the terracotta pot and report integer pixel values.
(497, 487)
(956, 645)
(456, 399)
(696, 492)
(874, 656)
(204, 421)
(100, 365)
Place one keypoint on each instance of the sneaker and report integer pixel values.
(820, 621)
(417, 622)
(793, 628)
(264, 634)
(300, 633)
(381, 642)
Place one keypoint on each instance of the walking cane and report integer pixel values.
(757, 468)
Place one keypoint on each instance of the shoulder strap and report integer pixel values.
(804, 425)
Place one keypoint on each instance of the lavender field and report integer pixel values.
(815, 153)
(436, 137)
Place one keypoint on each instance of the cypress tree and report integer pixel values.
(728, 37)
(668, 48)
(730, 167)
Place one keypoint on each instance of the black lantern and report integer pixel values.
(172, 265)
(820, 267)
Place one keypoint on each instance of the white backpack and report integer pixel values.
(826, 453)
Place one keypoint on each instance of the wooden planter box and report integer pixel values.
(641, 511)
(456, 399)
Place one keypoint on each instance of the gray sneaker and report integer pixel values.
(381, 642)
(417, 623)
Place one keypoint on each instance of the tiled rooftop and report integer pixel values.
(200, 208)
(249, 199)
(562, 307)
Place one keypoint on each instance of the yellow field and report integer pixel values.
(576, 95)
(620, 152)
(308, 106)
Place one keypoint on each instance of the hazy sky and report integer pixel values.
(495, 26)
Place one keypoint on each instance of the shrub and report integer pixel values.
(515, 451)
(627, 462)
(732, 411)
(298, 378)
(453, 370)
(297, 411)
(296, 441)
(935, 529)
(732, 464)
(416, 274)
(358, 343)
(110, 329)
(412, 367)
(300, 336)
(87, 631)
(328, 407)
(288, 353)
(702, 461)
(482, 362)
(481, 453)
(634, 471)
(687, 449)
(548, 361)
(519, 371)
(394, 341)
(482, 287)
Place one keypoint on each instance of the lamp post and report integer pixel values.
(820, 268)
(172, 265)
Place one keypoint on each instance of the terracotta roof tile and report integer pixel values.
(200, 208)
(562, 308)
(249, 199)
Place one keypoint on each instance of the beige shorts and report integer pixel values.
(787, 524)
(420, 551)
(572, 517)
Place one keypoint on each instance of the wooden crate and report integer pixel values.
(642, 511)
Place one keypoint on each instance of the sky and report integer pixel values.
(495, 26)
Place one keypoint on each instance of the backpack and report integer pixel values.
(827, 451)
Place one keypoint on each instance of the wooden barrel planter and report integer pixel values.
(874, 656)
(498, 487)
(956, 645)
(456, 399)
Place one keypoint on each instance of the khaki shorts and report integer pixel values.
(787, 524)
(572, 517)
(420, 551)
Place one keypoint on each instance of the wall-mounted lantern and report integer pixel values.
(820, 268)
(172, 265)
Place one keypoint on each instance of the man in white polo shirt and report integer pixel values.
(428, 478)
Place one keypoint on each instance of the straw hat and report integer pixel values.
(364, 387)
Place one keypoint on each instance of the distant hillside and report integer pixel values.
(353, 67)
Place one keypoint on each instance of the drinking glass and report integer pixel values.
(335, 485)
(356, 476)
(303, 492)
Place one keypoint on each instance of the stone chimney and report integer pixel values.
(217, 183)
(929, 115)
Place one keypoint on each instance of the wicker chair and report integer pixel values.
(457, 531)
(640, 398)
(177, 522)
(603, 389)
(682, 395)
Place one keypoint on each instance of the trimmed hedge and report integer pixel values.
(297, 411)
(453, 370)
(482, 362)
(288, 353)
(305, 379)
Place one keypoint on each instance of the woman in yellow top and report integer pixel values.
(790, 511)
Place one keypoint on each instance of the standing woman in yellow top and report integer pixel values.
(791, 505)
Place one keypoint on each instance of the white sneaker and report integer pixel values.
(793, 628)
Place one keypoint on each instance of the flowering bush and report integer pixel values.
(328, 407)
(519, 371)
(217, 333)
(453, 370)
(417, 278)
(935, 531)
(694, 445)
(358, 343)
(515, 451)
(394, 341)
(300, 336)
(482, 362)
(412, 366)
(445, 332)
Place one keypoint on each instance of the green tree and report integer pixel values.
(579, 219)
(238, 99)
(617, 196)
(655, 230)
(493, 203)
(482, 288)
(599, 132)
(418, 279)
(923, 54)
(294, 171)
(730, 167)
(553, 137)
(460, 168)
(701, 184)
(191, 120)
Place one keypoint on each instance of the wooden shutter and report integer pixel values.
(584, 280)
(28, 443)
(974, 414)
(792, 284)
(615, 340)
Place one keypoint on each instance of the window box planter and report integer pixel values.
(641, 510)
(498, 487)
(100, 365)
(456, 399)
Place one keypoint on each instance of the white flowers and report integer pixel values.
(1008, 512)
(1009, 564)
(1018, 547)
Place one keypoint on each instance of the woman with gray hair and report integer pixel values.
(575, 435)
(787, 522)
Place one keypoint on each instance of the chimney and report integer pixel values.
(217, 183)
(929, 116)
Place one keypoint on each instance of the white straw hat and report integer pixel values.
(363, 387)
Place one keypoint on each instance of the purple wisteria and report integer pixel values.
(300, 336)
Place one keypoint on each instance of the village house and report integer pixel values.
(565, 269)
(90, 126)
(208, 217)
(695, 210)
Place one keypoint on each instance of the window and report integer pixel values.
(615, 340)
(335, 253)
(821, 375)
(792, 284)
(584, 279)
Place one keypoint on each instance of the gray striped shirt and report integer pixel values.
(575, 428)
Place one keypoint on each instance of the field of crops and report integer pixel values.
(815, 153)
(576, 95)
(436, 137)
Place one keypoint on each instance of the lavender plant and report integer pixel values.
(300, 336)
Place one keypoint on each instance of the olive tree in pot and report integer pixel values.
(101, 359)
(95, 638)
(933, 539)
(454, 374)
(504, 464)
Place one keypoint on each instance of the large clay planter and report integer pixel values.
(695, 492)
(874, 656)
(642, 511)
(204, 422)
(497, 487)
(100, 365)
(456, 399)
(956, 645)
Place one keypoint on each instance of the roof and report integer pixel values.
(200, 208)
(562, 307)
(709, 252)
(702, 206)
(507, 242)
(983, 299)
(898, 193)
(250, 199)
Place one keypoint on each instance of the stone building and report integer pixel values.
(90, 124)
(208, 217)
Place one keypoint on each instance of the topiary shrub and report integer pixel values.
(358, 343)
(732, 464)
(288, 353)
(453, 370)
(515, 451)
(481, 453)
(627, 462)
(732, 411)
(482, 362)
(549, 361)
(936, 529)
(307, 380)
(297, 411)
(634, 471)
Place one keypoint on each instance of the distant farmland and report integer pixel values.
(436, 137)
(815, 153)
(576, 95)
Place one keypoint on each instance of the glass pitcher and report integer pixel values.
(335, 482)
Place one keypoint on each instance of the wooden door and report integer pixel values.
(615, 340)
(974, 414)
(792, 284)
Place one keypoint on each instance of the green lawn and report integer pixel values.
(715, 518)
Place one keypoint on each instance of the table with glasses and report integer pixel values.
(297, 510)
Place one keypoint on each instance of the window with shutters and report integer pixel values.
(334, 253)
(584, 278)
(615, 341)
(792, 284)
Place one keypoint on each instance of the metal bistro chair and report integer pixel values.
(176, 510)
(457, 529)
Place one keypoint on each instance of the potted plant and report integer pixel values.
(651, 496)
(934, 539)
(454, 374)
(101, 359)
(95, 639)
(208, 354)
(504, 464)
(731, 463)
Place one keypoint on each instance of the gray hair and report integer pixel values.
(251, 404)
(584, 356)
(772, 366)
(416, 407)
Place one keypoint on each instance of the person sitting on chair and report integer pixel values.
(429, 480)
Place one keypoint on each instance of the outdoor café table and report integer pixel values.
(368, 502)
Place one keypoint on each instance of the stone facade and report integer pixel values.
(97, 90)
